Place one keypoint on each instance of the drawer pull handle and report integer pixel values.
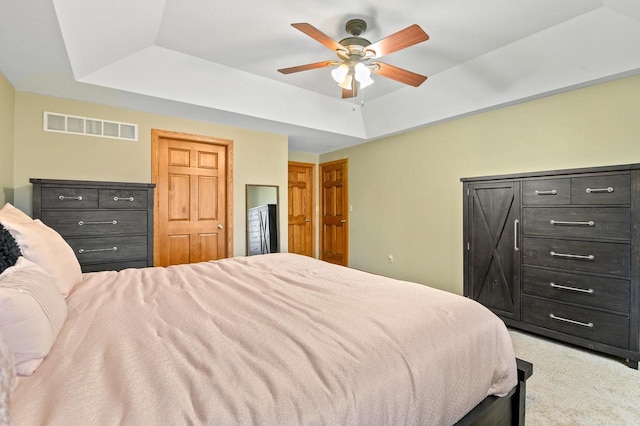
(599, 190)
(570, 321)
(579, 290)
(572, 256)
(552, 192)
(565, 222)
(123, 198)
(113, 222)
(81, 251)
(62, 197)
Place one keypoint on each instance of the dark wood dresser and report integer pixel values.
(262, 229)
(558, 253)
(109, 225)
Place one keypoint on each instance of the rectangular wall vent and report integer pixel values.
(63, 123)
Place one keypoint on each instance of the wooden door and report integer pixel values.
(493, 246)
(301, 208)
(193, 211)
(334, 235)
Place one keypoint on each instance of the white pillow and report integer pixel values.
(32, 312)
(7, 379)
(10, 214)
(44, 246)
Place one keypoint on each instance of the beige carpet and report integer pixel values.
(572, 386)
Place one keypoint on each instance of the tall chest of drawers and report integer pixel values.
(557, 253)
(109, 225)
(262, 231)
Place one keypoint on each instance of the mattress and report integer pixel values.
(278, 339)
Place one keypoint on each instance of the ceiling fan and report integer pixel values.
(357, 55)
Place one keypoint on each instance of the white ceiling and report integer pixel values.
(217, 61)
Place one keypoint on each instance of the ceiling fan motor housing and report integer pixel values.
(354, 46)
(355, 26)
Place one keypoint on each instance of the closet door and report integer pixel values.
(492, 246)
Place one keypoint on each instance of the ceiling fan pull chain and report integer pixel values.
(353, 107)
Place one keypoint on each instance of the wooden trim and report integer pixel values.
(229, 159)
(314, 215)
(156, 134)
(345, 183)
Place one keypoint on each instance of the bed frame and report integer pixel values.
(506, 410)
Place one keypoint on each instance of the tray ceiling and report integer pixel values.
(217, 61)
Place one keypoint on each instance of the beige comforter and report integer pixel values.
(278, 339)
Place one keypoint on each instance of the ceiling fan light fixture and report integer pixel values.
(355, 52)
(340, 73)
(363, 75)
(346, 83)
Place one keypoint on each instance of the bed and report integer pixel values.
(272, 339)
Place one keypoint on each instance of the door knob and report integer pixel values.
(307, 219)
(343, 220)
(220, 226)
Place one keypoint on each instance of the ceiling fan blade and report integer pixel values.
(313, 66)
(319, 36)
(398, 74)
(350, 93)
(411, 35)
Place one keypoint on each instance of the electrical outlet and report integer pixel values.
(390, 258)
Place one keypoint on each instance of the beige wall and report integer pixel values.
(259, 157)
(303, 157)
(406, 192)
(7, 100)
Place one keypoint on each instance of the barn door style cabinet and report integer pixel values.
(557, 253)
(262, 229)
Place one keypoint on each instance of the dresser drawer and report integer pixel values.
(96, 222)
(608, 189)
(546, 191)
(109, 249)
(122, 199)
(598, 292)
(586, 323)
(254, 226)
(253, 250)
(69, 198)
(612, 223)
(114, 266)
(580, 256)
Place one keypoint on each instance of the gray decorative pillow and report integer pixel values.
(9, 250)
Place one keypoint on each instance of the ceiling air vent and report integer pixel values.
(63, 123)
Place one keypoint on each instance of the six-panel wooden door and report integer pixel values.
(301, 208)
(334, 233)
(192, 223)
